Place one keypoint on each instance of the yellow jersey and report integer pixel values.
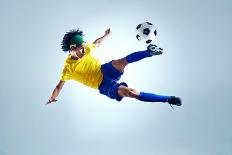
(86, 70)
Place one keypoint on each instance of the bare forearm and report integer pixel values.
(55, 93)
(99, 40)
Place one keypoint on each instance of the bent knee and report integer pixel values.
(127, 92)
(133, 93)
(119, 64)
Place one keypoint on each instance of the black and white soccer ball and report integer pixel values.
(146, 32)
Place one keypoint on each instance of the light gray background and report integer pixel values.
(196, 65)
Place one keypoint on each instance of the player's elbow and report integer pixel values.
(60, 84)
(59, 87)
(97, 43)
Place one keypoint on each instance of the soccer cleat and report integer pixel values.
(154, 49)
(174, 101)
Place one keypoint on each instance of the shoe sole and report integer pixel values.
(156, 52)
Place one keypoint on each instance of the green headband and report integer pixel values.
(77, 40)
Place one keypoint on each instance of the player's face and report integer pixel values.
(80, 51)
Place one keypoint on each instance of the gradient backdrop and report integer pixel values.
(196, 65)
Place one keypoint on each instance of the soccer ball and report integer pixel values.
(146, 32)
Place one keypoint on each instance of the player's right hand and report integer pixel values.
(51, 100)
(107, 32)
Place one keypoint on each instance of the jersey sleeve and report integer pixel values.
(93, 46)
(65, 75)
(90, 47)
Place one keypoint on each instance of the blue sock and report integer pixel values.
(136, 56)
(148, 97)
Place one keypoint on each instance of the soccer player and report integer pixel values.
(81, 66)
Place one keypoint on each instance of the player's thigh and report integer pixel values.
(120, 64)
(124, 91)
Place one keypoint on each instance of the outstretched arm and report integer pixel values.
(56, 92)
(98, 41)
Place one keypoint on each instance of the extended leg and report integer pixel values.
(136, 56)
(120, 64)
(147, 97)
(151, 51)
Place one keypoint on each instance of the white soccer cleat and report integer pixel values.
(154, 49)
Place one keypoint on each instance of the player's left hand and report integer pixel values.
(51, 100)
(107, 32)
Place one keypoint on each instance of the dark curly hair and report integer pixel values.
(65, 45)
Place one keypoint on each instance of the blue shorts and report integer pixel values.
(109, 85)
